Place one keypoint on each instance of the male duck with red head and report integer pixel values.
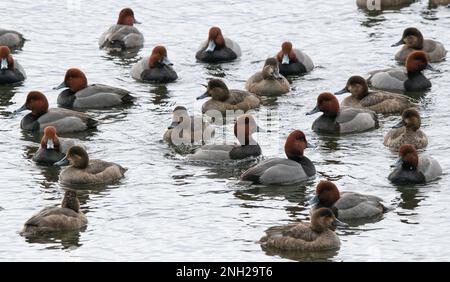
(218, 48)
(412, 169)
(269, 81)
(279, 171)
(412, 39)
(10, 69)
(346, 205)
(80, 95)
(293, 61)
(410, 78)
(335, 120)
(407, 131)
(244, 127)
(64, 120)
(122, 36)
(156, 67)
(12, 39)
(372, 5)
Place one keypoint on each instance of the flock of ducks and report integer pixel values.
(357, 113)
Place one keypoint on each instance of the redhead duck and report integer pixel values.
(293, 61)
(10, 69)
(218, 48)
(294, 169)
(244, 127)
(407, 131)
(55, 219)
(122, 36)
(403, 79)
(347, 205)
(318, 235)
(224, 99)
(383, 4)
(412, 39)
(82, 170)
(269, 81)
(95, 96)
(65, 121)
(410, 169)
(341, 121)
(187, 130)
(377, 101)
(11, 38)
(157, 67)
(53, 148)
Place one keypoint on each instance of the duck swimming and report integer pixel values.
(80, 95)
(412, 39)
(269, 81)
(383, 4)
(244, 127)
(53, 148)
(341, 121)
(82, 170)
(65, 121)
(224, 99)
(122, 36)
(54, 219)
(407, 131)
(279, 171)
(410, 169)
(377, 101)
(218, 48)
(403, 79)
(307, 237)
(187, 130)
(156, 68)
(346, 205)
(12, 39)
(293, 61)
(10, 69)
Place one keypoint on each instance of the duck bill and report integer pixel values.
(285, 60)
(398, 43)
(4, 64)
(173, 125)
(340, 92)
(400, 124)
(211, 46)
(50, 144)
(430, 67)
(136, 22)
(165, 61)
(310, 145)
(21, 109)
(203, 96)
(338, 223)
(314, 111)
(398, 163)
(314, 201)
(63, 162)
(62, 85)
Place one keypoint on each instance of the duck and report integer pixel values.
(11, 38)
(122, 36)
(52, 147)
(413, 40)
(293, 61)
(383, 4)
(218, 48)
(82, 170)
(318, 235)
(10, 69)
(269, 81)
(407, 131)
(191, 130)
(380, 102)
(279, 171)
(156, 68)
(335, 120)
(410, 169)
(68, 217)
(64, 120)
(244, 127)
(410, 78)
(346, 205)
(80, 95)
(224, 99)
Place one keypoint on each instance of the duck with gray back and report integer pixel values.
(156, 67)
(218, 48)
(407, 131)
(269, 81)
(10, 69)
(11, 38)
(293, 61)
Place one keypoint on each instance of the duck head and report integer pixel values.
(417, 61)
(179, 114)
(326, 103)
(71, 201)
(271, 69)
(410, 119)
(6, 60)
(126, 17)
(215, 39)
(50, 139)
(326, 194)
(323, 219)
(217, 90)
(74, 79)
(295, 145)
(36, 102)
(77, 157)
(408, 158)
(357, 86)
(287, 54)
(244, 127)
(412, 38)
(159, 56)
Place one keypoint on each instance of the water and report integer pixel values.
(168, 209)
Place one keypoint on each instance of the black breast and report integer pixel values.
(242, 152)
(293, 68)
(161, 73)
(218, 55)
(47, 157)
(10, 76)
(30, 123)
(66, 98)
(405, 176)
(417, 82)
(325, 124)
